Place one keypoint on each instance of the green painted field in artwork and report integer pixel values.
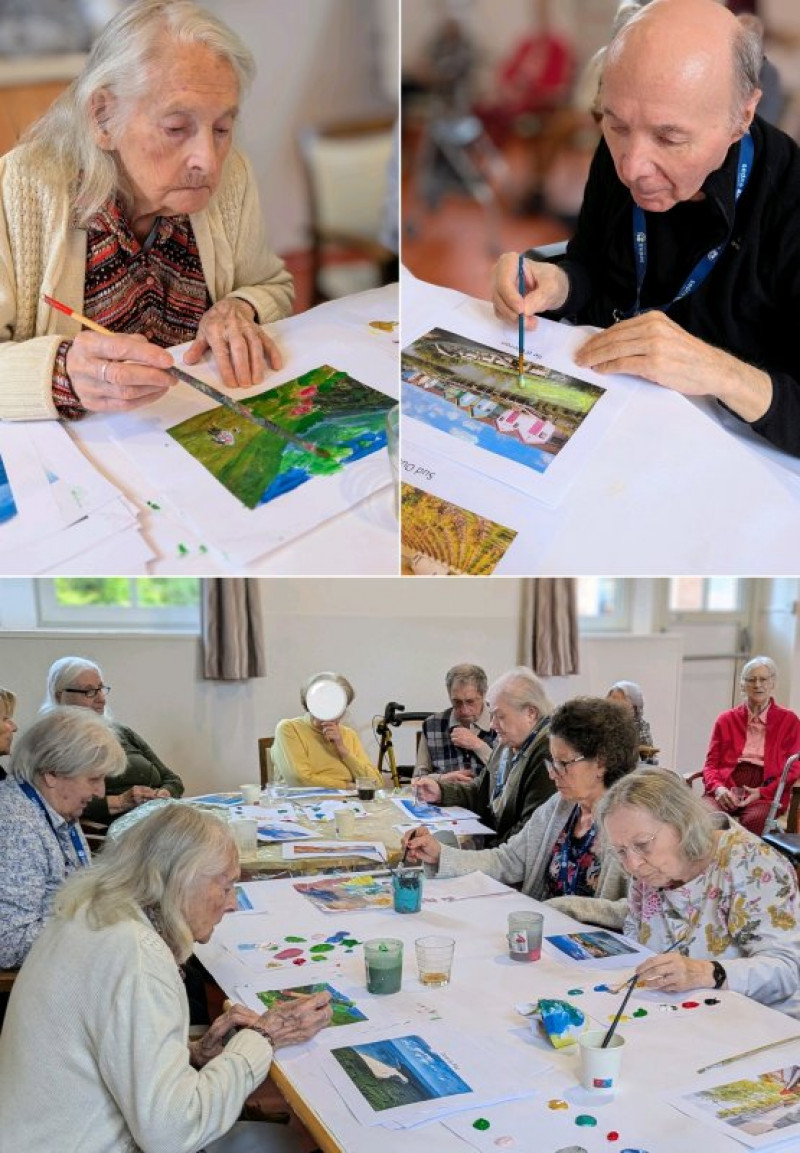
(325, 406)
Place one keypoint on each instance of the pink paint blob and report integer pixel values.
(288, 954)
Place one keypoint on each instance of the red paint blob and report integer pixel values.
(690, 1005)
(287, 954)
(612, 1136)
(299, 961)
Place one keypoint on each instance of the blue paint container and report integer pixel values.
(407, 889)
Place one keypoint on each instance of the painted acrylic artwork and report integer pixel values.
(474, 393)
(441, 539)
(344, 1009)
(324, 406)
(8, 506)
(398, 1072)
(348, 893)
(758, 1110)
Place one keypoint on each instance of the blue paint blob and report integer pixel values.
(602, 989)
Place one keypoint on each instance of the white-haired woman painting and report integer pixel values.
(101, 1000)
(749, 747)
(127, 202)
(57, 766)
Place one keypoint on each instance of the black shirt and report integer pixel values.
(749, 305)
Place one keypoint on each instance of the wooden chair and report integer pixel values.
(265, 765)
(7, 979)
(95, 833)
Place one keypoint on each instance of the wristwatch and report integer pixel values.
(720, 976)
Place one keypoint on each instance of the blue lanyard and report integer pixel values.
(74, 835)
(706, 263)
(566, 886)
(510, 759)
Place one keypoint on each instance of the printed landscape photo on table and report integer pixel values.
(474, 393)
(441, 539)
(324, 406)
(756, 1110)
(590, 946)
(8, 506)
(344, 1009)
(402, 1071)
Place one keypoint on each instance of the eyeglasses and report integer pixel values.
(641, 849)
(758, 680)
(558, 768)
(90, 694)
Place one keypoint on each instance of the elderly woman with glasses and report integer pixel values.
(514, 781)
(8, 702)
(129, 203)
(77, 681)
(557, 856)
(749, 747)
(57, 766)
(724, 898)
(100, 999)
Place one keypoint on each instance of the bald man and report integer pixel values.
(687, 250)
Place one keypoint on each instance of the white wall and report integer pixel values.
(318, 61)
(393, 638)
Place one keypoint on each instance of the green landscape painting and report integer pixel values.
(344, 1009)
(324, 406)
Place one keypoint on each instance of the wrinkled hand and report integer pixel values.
(118, 372)
(674, 973)
(163, 793)
(464, 738)
(725, 799)
(136, 795)
(427, 789)
(420, 845)
(212, 1043)
(460, 776)
(654, 347)
(750, 796)
(332, 732)
(291, 1024)
(240, 347)
(546, 287)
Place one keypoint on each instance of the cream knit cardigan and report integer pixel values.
(41, 251)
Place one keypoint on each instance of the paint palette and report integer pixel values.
(297, 950)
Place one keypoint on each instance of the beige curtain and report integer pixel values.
(550, 626)
(233, 629)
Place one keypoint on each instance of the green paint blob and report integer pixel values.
(317, 958)
(481, 1123)
(183, 550)
(203, 549)
(640, 1012)
(349, 943)
(574, 992)
(293, 940)
(320, 948)
(586, 1120)
(152, 504)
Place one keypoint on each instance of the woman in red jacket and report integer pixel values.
(748, 749)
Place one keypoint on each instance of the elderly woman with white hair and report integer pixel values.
(121, 1071)
(316, 748)
(630, 696)
(514, 781)
(79, 682)
(720, 899)
(57, 766)
(558, 856)
(128, 203)
(749, 747)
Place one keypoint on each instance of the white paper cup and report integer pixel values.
(600, 1067)
(345, 821)
(251, 794)
(245, 834)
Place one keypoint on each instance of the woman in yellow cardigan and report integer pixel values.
(312, 751)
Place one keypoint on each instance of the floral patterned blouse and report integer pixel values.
(743, 910)
(574, 867)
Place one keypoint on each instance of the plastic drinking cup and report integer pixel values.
(600, 1067)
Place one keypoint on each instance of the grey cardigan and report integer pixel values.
(524, 859)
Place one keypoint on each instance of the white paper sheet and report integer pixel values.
(436, 814)
(312, 850)
(252, 896)
(435, 1071)
(464, 828)
(469, 887)
(326, 810)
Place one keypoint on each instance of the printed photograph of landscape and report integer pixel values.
(442, 539)
(474, 393)
(324, 406)
(767, 1106)
(399, 1072)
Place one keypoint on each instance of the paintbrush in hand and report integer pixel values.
(631, 983)
(208, 390)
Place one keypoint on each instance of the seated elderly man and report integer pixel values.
(687, 249)
(57, 766)
(515, 781)
(128, 203)
(8, 702)
(459, 740)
